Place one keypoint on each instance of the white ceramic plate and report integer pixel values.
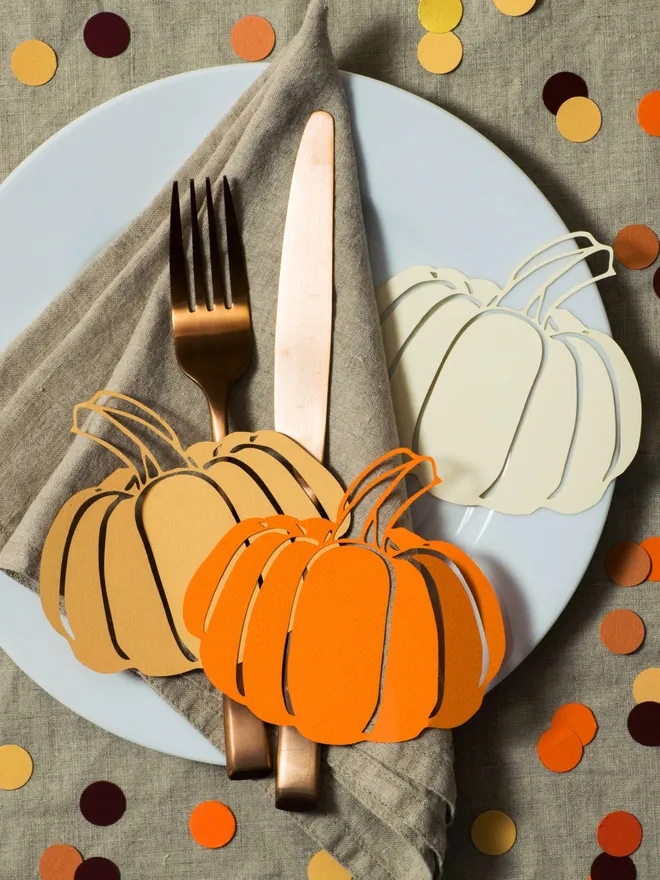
(435, 192)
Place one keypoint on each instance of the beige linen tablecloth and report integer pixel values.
(599, 186)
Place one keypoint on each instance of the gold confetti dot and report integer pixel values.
(33, 62)
(440, 53)
(646, 687)
(323, 867)
(440, 16)
(514, 7)
(15, 767)
(493, 832)
(579, 119)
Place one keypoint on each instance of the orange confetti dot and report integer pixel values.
(252, 38)
(493, 832)
(440, 53)
(322, 866)
(636, 246)
(15, 767)
(646, 687)
(578, 718)
(622, 631)
(560, 749)
(212, 824)
(33, 62)
(619, 834)
(648, 113)
(59, 862)
(579, 119)
(652, 547)
(627, 564)
(515, 7)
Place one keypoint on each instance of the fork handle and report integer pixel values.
(246, 740)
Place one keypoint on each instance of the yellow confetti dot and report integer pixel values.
(15, 767)
(440, 16)
(646, 687)
(323, 867)
(493, 832)
(33, 62)
(579, 119)
(440, 53)
(514, 7)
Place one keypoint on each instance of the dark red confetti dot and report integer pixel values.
(606, 867)
(106, 34)
(102, 803)
(561, 87)
(656, 282)
(644, 724)
(97, 868)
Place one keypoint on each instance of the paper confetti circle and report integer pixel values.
(622, 631)
(33, 62)
(652, 545)
(212, 824)
(15, 767)
(578, 718)
(102, 803)
(322, 866)
(514, 7)
(440, 53)
(252, 38)
(493, 832)
(560, 749)
(627, 564)
(107, 34)
(619, 834)
(655, 575)
(562, 86)
(606, 867)
(646, 686)
(636, 247)
(648, 113)
(644, 724)
(579, 119)
(440, 16)
(97, 868)
(59, 862)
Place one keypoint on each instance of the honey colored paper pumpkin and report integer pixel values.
(347, 639)
(119, 556)
(520, 404)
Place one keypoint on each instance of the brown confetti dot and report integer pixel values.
(59, 862)
(644, 724)
(560, 749)
(636, 246)
(493, 832)
(606, 867)
(562, 86)
(627, 564)
(107, 34)
(578, 718)
(622, 631)
(619, 834)
(97, 868)
(652, 545)
(252, 38)
(102, 803)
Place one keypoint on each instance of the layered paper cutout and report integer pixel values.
(119, 556)
(373, 637)
(520, 407)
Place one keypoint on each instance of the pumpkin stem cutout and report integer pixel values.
(347, 639)
(119, 556)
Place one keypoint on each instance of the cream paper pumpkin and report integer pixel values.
(521, 408)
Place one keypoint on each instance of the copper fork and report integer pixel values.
(213, 344)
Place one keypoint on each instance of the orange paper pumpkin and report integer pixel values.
(372, 638)
(119, 556)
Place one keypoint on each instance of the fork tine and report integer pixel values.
(217, 281)
(178, 269)
(237, 274)
(198, 253)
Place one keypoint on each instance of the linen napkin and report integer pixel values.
(384, 808)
